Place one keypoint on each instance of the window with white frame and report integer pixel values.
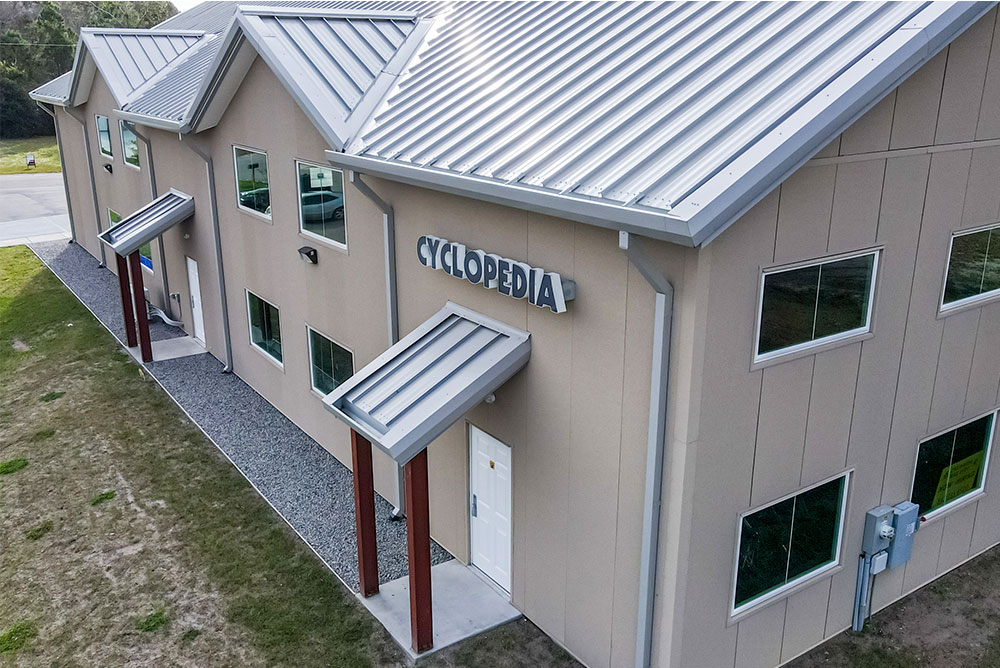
(330, 363)
(321, 202)
(130, 144)
(807, 306)
(104, 135)
(952, 466)
(973, 267)
(253, 191)
(788, 541)
(265, 326)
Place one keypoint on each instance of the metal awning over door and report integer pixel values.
(415, 390)
(148, 222)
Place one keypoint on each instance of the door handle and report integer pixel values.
(475, 508)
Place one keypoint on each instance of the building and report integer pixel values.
(755, 250)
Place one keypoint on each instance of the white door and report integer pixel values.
(489, 484)
(194, 290)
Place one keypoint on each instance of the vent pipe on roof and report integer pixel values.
(93, 182)
(391, 312)
(655, 447)
(62, 161)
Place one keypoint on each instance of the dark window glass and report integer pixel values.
(331, 364)
(788, 540)
(802, 305)
(130, 145)
(321, 202)
(265, 327)
(252, 186)
(974, 265)
(951, 465)
(104, 135)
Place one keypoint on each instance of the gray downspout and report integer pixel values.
(93, 181)
(652, 500)
(210, 169)
(392, 313)
(62, 167)
(164, 280)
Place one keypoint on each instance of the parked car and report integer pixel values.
(322, 206)
(257, 199)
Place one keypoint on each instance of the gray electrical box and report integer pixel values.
(906, 521)
(878, 530)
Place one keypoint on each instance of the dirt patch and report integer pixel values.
(20, 346)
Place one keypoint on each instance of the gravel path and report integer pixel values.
(307, 485)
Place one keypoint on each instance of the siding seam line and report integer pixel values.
(989, 59)
(881, 200)
(904, 152)
(854, 405)
(833, 204)
(972, 364)
(944, 81)
(937, 369)
(805, 436)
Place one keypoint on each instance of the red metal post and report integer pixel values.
(139, 299)
(126, 301)
(418, 543)
(364, 513)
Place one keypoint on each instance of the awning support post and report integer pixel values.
(139, 299)
(127, 313)
(418, 544)
(364, 513)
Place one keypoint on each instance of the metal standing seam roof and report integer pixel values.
(149, 222)
(419, 387)
(55, 91)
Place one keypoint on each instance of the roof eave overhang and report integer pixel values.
(48, 99)
(635, 220)
(152, 121)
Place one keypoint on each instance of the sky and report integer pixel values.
(184, 5)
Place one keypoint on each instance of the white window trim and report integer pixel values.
(762, 599)
(972, 494)
(310, 328)
(298, 191)
(121, 137)
(826, 340)
(280, 364)
(974, 299)
(236, 182)
(100, 151)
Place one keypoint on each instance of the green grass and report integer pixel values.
(51, 396)
(45, 150)
(37, 532)
(153, 621)
(17, 637)
(12, 466)
(42, 434)
(102, 497)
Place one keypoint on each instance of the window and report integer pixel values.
(145, 254)
(104, 135)
(952, 466)
(973, 268)
(788, 541)
(252, 190)
(130, 145)
(808, 306)
(265, 328)
(321, 202)
(330, 364)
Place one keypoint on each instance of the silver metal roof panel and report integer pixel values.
(419, 387)
(55, 91)
(149, 222)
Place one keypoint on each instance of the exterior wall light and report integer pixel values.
(107, 166)
(309, 255)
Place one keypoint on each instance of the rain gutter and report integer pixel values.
(93, 182)
(656, 441)
(62, 163)
(224, 303)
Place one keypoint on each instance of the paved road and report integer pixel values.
(32, 208)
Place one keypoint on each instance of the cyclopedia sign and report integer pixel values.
(544, 289)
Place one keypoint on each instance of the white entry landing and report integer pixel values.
(463, 604)
(169, 349)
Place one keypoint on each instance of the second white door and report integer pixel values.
(194, 290)
(490, 489)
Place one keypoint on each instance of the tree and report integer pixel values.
(129, 14)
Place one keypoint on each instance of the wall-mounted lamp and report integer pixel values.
(309, 254)
(107, 166)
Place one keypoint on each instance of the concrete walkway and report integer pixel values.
(32, 209)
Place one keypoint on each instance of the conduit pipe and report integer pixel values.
(213, 200)
(655, 446)
(62, 164)
(93, 182)
(391, 311)
(164, 281)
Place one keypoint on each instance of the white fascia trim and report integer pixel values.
(150, 121)
(643, 222)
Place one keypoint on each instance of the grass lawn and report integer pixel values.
(12, 152)
(126, 538)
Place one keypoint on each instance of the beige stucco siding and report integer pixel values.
(862, 405)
